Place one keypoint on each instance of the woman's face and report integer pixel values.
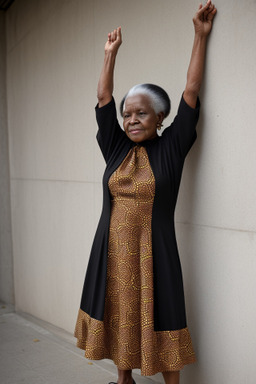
(139, 118)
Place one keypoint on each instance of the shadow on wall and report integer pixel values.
(188, 243)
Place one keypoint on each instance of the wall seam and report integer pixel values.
(215, 227)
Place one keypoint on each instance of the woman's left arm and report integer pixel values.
(203, 20)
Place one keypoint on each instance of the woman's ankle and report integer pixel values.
(124, 377)
(171, 377)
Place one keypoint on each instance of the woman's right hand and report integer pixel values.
(114, 41)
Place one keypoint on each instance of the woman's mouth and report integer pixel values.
(134, 131)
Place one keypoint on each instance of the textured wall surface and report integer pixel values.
(54, 56)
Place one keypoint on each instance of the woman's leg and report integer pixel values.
(171, 377)
(124, 376)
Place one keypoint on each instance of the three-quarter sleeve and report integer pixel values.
(109, 135)
(182, 132)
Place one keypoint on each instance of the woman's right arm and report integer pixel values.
(106, 80)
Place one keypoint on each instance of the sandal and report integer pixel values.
(133, 382)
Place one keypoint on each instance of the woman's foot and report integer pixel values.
(133, 382)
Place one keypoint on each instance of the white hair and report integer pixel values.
(159, 99)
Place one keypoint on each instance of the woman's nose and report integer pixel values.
(133, 119)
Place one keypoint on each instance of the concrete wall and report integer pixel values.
(6, 260)
(54, 56)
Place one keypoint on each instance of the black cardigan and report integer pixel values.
(166, 155)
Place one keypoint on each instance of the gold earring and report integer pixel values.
(159, 126)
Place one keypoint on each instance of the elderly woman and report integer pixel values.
(132, 308)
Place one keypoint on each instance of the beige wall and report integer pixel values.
(6, 260)
(54, 55)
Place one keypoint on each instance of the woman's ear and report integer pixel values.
(160, 117)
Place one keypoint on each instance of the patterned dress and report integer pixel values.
(127, 335)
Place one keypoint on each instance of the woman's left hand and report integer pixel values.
(203, 18)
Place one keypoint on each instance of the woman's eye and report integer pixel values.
(142, 113)
(126, 115)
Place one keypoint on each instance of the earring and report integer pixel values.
(159, 126)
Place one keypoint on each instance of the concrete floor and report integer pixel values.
(35, 352)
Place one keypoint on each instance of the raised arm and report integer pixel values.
(203, 20)
(106, 80)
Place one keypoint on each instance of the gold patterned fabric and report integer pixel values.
(127, 334)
